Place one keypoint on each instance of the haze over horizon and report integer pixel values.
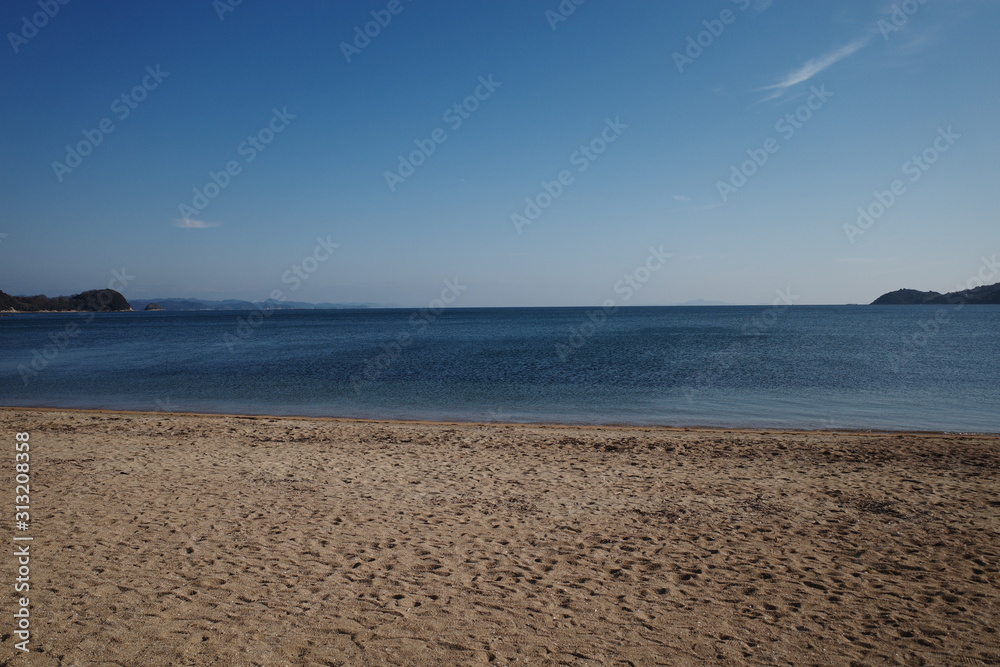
(641, 152)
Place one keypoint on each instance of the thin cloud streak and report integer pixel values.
(813, 67)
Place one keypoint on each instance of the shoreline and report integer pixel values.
(548, 425)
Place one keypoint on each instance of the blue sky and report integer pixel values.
(868, 85)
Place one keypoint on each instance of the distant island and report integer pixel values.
(95, 300)
(987, 294)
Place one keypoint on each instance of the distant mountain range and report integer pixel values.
(237, 304)
(987, 294)
(703, 302)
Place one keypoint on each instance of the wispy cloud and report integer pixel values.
(682, 198)
(191, 223)
(813, 67)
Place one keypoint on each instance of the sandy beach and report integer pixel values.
(165, 539)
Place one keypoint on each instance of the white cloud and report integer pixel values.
(682, 198)
(813, 67)
(191, 223)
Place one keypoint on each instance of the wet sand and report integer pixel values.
(223, 540)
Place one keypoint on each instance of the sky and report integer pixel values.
(531, 153)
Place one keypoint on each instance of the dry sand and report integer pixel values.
(220, 540)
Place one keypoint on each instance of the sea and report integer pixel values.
(884, 368)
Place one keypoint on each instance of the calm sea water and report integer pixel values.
(856, 367)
